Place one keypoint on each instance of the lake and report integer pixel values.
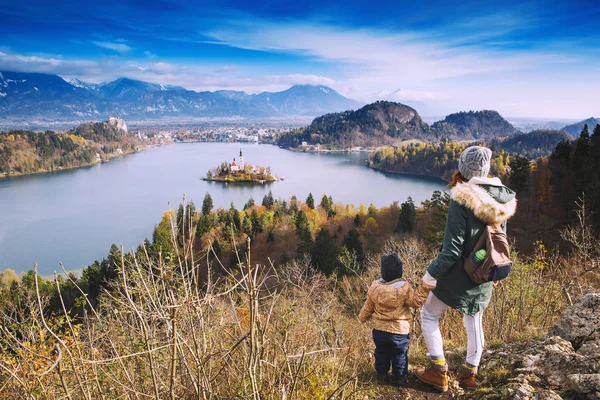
(74, 216)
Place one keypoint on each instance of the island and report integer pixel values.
(239, 171)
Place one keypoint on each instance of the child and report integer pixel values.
(388, 301)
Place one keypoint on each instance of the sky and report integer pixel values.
(535, 58)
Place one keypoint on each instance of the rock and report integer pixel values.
(584, 383)
(519, 392)
(567, 360)
(546, 395)
(580, 324)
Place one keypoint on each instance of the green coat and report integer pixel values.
(473, 205)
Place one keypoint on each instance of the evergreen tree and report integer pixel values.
(268, 200)
(310, 201)
(207, 204)
(249, 203)
(357, 220)
(247, 225)
(352, 242)
(303, 231)
(293, 205)
(257, 222)
(236, 220)
(585, 132)
(437, 208)
(162, 238)
(325, 252)
(520, 170)
(271, 236)
(325, 203)
(407, 217)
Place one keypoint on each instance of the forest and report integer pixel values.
(438, 160)
(27, 152)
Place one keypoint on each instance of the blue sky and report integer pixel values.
(523, 58)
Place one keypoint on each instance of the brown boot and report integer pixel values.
(466, 378)
(434, 375)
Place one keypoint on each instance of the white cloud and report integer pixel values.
(226, 68)
(118, 47)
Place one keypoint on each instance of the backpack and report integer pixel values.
(497, 264)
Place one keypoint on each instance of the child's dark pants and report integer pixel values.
(391, 348)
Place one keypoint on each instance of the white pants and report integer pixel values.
(430, 315)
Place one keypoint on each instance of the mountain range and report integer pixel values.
(51, 97)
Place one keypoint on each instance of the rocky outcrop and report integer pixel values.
(566, 364)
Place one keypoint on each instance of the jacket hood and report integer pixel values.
(491, 201)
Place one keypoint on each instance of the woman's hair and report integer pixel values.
(457, 178)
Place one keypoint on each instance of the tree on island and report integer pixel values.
(207, 204)
(310, 201)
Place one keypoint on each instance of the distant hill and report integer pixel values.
(26, 152)
(535, 144)
(375, 124)
(575, 129)
(474, 125)
(49, 97)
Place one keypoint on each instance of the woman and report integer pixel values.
(476, 201)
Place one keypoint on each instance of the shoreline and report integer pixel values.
(41, 172)
(387, 171)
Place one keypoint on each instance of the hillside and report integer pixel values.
(575, 129)
(27, 152)
(382, 122)
(187, 313)
(437, 160)
(26, 96)
(474, 125)
(534, 144)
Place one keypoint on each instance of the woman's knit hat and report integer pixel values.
(475, 161)
(391, 267)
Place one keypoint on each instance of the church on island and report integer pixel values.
(239, 171)
(239, 166)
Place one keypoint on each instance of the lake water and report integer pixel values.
(74, 216)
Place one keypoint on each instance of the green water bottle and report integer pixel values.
(479, 256)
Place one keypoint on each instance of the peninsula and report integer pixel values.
(239, 171)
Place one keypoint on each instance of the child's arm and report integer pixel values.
(421, 294)
(367, 310)
(409, 299)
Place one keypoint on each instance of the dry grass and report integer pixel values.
(258, 331)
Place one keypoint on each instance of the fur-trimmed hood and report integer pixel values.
(491, 201)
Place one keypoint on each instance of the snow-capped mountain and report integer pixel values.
(51, 97)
